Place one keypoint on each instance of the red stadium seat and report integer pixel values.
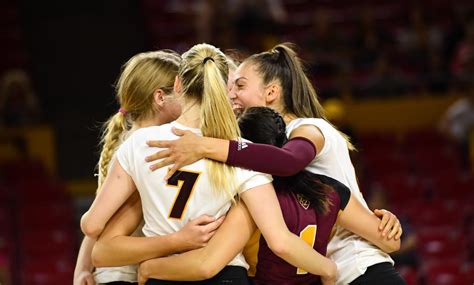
(60, 242)
(50, 270)
(446, 272)
(46, 216)
(468, 272)
(442, 248)
(433, 213)
(425, 137)
(401, 187)
(381, 162)
(5, 266)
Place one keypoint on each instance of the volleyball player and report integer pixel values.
(143, 90)
(276, 79)
(205, 186)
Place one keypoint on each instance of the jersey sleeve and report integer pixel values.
(125, 155)
(344, 195)
(321, 125)
(249, 179)
(293, 157)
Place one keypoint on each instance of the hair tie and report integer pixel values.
(206, 59)
(123, 111)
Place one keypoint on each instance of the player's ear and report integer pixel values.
(272, 93)
(159, 98)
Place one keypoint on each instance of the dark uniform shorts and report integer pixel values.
(230, 275)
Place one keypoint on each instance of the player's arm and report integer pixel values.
(115, 190)
(206, 262)
(264, 207)
(293, 157)
(361, 221)
(116, 247)
(84, 267)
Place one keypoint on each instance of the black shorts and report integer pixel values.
(230, 275)
(121, 283)
(381, 273)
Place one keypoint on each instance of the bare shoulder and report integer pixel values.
(310, 132)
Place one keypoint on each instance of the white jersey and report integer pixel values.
(167, 206)
(351, 253)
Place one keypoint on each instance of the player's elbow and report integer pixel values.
(208, 267)
(279, 246)
(206, 272)
(90, 228)
(92, 231)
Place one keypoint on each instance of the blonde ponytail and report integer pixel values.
(111, 139)
(204, 71)
(218, 121)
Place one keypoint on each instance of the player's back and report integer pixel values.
(168, 205)
(302, 220)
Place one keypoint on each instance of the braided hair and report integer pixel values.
(266, 126)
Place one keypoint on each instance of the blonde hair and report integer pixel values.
(141, 76)
(203, 73)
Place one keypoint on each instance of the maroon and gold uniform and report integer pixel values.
(302, 220)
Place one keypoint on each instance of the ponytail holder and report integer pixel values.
(206, 59)
(123, 111)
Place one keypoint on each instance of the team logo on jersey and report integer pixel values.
(241, 145)
(305, 203)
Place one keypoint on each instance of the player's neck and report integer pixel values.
(145, 123)
(191, 114)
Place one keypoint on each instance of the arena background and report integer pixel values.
(388, 72)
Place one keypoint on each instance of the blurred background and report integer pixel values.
(397, 76)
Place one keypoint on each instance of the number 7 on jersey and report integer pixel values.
(185, 181)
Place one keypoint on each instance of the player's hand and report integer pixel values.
(84, 278)
(331, 276)
(142, 275)
(389, 226)
(178, 153)
(196, 233)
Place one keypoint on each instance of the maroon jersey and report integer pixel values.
(303, 221)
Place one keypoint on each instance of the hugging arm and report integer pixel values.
(115, 190)
(295, 155)
(204, 263)
(84, 268)
(361, 221)
(264, 207)
(116, 247)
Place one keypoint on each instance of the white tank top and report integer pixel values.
(167, 207)
(351, 253)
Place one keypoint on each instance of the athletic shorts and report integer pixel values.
(230, 275)
(381, 273)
